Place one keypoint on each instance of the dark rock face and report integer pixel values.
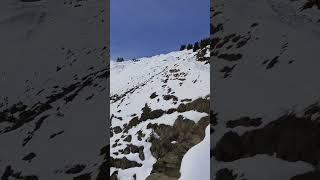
(213, 119)
(160, 176)
(34, 112)
(200, 105)
(10, 173)
(171, 110)
(117, 130)
(310, 3)
(83, 177)
(104, 168)
(123, 163)
(314, 175)
(32, 177)
(230, 57)
(273, 62)
(133, 122)
(75, 169)
(245, 121)
(292, 138)
(29, 157)
(186, 132)
(56, 134)
(153, 95)
(201, 55)
(128, 138)
(225, 174)
(141, 153)
(168, 97)
(147, 113)
(140, 135)
(114, 176)
(227, 70)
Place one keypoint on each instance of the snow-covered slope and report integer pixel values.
(265, 69)
(159, 110)
(53, 89)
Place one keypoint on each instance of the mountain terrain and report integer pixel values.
(159, 110)
(54, 90)
(265, 92)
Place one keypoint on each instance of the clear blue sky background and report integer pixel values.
(148, 27)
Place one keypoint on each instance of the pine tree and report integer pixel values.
(120, 59)
(196, 47)
(204, 43)
(182, 47)
(190, 46)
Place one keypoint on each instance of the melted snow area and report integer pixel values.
(161, 82)
(266, 89)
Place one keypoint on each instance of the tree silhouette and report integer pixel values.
(120, 59)
(190, 46)
(196, 47)
(182, 47)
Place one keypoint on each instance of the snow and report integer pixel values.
(264, 167)
(144, 77)
(36, 38)
(196, 162)
(141, 172)
(254, 91)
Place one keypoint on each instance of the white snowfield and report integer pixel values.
(277, 73)
(154, 75)
(196, 163)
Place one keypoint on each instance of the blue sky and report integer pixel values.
(148, 27)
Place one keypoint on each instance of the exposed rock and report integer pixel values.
(244, 121)
(230, 57)
(225, 174)
(141, 154)
(168, 97)
(123, 163)
(134, 148)
(114, 176)
(140, 135)
(171, 110)
(290, 137)
(86, 176)
(313, 175)
(128, 138)
(169, 155)
(160, 176)
(29, 157)
(117, 129)
(147, 113)
(153, 95)
(126, 150)
(32, 177)
(200, 105)
(75, 169)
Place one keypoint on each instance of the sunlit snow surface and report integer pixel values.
(196, 163)
(152, 72)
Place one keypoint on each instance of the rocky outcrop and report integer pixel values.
(186, 133)
(291, 137)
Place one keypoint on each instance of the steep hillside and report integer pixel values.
(266, 90)
(53, 71)
(159, 114)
